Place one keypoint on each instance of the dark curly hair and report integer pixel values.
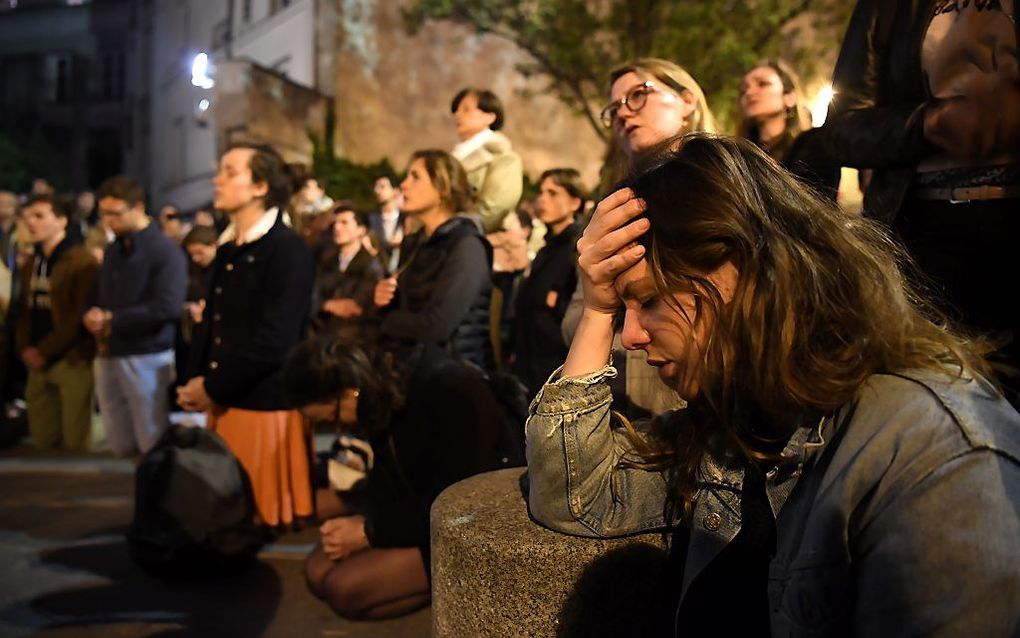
(319, 369)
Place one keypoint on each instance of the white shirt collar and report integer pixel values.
(472, 144)
(256, 232)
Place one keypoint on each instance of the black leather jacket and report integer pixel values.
(876, 117)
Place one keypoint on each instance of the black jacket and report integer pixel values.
(876, 119)
(256, 310)
(444, 291)
(538, 342)
(356, 283)
(447, 431)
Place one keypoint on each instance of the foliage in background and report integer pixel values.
(573, 44)
(22, 160)
(344, 179)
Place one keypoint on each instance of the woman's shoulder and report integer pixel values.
(938, 410)
(498, 144)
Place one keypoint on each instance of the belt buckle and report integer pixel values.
(962, 200)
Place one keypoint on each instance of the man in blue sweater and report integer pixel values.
(136, 301)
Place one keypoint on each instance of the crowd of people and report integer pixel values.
(828, 394)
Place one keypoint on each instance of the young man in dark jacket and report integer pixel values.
(50, 340)
(134, 309)
(345, 282)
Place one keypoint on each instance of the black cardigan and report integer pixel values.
(256, 310)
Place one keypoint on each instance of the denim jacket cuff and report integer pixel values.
(573, 394)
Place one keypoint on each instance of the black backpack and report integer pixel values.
(194, 509)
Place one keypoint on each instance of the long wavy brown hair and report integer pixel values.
(822, 302)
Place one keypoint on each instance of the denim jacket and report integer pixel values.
(897, 516)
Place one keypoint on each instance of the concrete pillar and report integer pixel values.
(495, 572)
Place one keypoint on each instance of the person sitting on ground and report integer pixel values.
(845, 464)
(345, 282)
(441, 291)
(430, 423)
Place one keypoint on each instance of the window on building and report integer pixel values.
(58, 77)
(111, 75)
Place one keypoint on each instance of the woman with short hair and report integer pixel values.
(256, 309)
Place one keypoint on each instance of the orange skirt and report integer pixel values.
(272, 447)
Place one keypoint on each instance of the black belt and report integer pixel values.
(967, 193)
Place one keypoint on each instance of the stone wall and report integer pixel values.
(393, 92)
(255, 104)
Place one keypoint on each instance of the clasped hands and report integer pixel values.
(343, 536)
(192, 396)
(97, 321)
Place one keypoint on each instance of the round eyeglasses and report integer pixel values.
(635, 100)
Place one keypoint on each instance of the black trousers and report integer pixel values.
(970, 253)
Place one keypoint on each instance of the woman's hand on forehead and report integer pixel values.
(608, 247)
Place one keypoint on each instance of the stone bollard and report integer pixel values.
(495, 572)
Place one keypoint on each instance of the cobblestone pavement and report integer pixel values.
(65, 569)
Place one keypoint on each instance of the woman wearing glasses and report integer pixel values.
(440, 293)
(650, 100)
(428, 432)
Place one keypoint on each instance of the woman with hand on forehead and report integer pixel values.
(845, 464)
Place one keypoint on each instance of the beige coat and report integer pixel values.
(497, 178)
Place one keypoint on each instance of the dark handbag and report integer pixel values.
(194, 509)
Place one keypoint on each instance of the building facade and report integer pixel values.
(259, 52)
(64, 87)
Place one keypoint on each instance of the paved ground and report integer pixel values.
(65, 569)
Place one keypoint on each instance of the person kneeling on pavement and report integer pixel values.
(431, 421)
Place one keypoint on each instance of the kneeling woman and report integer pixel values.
(844, 466)
(428, 432)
